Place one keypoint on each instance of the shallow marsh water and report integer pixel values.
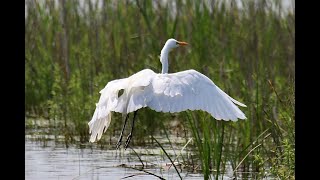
(48, 157)
(50, 160)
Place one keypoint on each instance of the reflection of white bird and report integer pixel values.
(166, 92)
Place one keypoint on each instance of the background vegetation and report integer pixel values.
(73, 48)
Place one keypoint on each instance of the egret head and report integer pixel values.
(168, 46)
(172, 43)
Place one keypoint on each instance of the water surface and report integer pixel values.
(50, 160)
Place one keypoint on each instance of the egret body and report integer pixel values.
(162, 92)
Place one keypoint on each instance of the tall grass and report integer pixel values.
(73, 49)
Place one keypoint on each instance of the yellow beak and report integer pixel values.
(181, 43)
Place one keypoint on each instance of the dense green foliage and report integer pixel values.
(72, 50)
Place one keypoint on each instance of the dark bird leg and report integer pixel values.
(130, 135)
(120, 138)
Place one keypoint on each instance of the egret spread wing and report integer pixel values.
(110, 101)
(102, 115)
(190, 90)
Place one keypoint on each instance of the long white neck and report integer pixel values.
(164, 60)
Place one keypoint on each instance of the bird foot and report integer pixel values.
(128, 141)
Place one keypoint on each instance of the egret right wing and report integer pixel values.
(190, 90)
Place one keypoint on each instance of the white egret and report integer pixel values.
(162, 92)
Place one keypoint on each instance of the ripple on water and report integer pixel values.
(54, 161)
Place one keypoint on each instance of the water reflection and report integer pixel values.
(54, 161)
